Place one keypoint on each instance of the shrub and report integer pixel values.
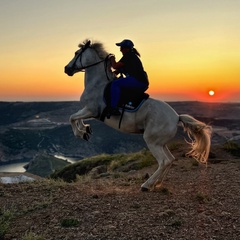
(202, 198)
(127, 162)
(5, 219)
(32, 236)
(177, 223)
(69, 222)
(232, 147)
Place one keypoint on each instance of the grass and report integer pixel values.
(45, 203)
(175, 145)
(134, 161)
(202, 198)
(48, 187)
(69, 222)
(195, 163)
(164, 191)
(5, 220)
(32, 236)
(114, 162)
(47, 191)
(177, 223)
(232, 148)
(44, 165)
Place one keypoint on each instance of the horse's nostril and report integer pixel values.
(68, 71)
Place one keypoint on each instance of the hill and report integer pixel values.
(193, 202)
(103, 201)
(29, 128)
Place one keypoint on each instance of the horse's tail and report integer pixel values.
(200, 135)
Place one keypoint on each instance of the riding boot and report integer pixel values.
(115, 112)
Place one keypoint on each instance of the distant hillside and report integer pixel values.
(23, 144)
(27, 128)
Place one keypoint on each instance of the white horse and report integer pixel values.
(155, 119)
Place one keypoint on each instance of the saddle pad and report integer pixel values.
(133, 106)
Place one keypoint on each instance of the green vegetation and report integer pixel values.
(32, 236)
(195, 163)
(164, 191)
(175, 145)
(134, 161)
(115, 165)
(202, 198)
(115, 162)
(232, 148)
(177, 223)
(5, 219)
(69, 222)
(44, 165)
(49, 187)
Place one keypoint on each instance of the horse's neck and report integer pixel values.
(94, 78)
(95, 81)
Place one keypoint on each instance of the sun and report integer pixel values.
(211, 92)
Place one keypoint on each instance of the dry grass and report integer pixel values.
(194, 202)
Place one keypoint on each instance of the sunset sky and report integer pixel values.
(188, 47)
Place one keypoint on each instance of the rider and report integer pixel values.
(131, 66)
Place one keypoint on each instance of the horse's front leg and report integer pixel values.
(79, 128)
(84, 127)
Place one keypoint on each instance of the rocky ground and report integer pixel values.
(194, 202)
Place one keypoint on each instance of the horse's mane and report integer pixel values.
(97, 46)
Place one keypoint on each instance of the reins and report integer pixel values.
(93, 64)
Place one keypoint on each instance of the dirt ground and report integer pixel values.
(194, 202)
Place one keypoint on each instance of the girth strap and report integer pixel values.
(120, 121)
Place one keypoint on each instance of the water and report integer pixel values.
(18, 167)
(71, 160)
(14, 167)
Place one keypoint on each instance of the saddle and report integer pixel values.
(128, 102)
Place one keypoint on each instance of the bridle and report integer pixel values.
(79, 56)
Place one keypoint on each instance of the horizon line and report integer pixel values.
(53, 101)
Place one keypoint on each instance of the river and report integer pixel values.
(14, 167)
(19, 167)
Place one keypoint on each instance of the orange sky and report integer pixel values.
(187, 47)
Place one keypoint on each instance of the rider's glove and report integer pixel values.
(111, 56)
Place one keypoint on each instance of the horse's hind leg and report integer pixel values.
(165, 171)
(168, 153)
(164, 162)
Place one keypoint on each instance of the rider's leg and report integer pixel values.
(128, 82)
(115, 92)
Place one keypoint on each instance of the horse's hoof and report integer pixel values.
(89, 130)
(86, 136)
(144, 189)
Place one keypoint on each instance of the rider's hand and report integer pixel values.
(110, 56)
(116, 72)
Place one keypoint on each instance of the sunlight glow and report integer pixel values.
(189, 49)
(211, 92)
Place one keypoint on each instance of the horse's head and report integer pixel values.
(87, 56)
(78, 61)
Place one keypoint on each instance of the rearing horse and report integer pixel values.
(155, 119)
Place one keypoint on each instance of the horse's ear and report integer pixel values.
(88, 44)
